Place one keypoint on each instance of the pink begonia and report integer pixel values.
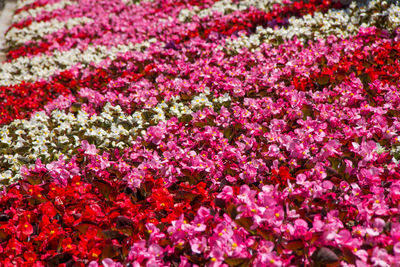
(344, 238)
(107, 262)
(62, 102)
(300, 227)
(93, 96)
(140, 254)
(156, 133)
(381, 258)
(88, 148)
(226, 194)
(203, 215)
(155, 233)
(198, 245)
(61, 171)
(266, 256)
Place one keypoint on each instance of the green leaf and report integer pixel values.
(219, 203)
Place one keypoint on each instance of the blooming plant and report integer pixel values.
(200, 133)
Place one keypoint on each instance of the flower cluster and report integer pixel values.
(343, 23)
(201, 133)
(86, 219)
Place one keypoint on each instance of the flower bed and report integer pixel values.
(202, 132)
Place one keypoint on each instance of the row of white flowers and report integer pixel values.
(33, 12)
(33, 68)
(228, 6)
(61, 133)
(135, 2)
(341, 23)
(37, 30)
(22, 3)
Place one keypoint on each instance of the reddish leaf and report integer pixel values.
(237, 262)
(83, 227)
(323, 80)
(324, 255)
(104, 187)
(245, 222)
(232, 211)
(294, 245)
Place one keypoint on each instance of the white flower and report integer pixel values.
(200, 100)
(380, 149)
(106, 116)
(5, 139)
(159, 117)
(7, 175)
(222, 99)
(63, 139)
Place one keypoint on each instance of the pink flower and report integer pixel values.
(88, 148)
(381, 258)
(344, 238)
(156, 133)
(300, 227)
(198, 245)
(107, 262)
(396, 249)
(155, 233)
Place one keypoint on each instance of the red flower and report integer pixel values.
(95, 254)
(282, 176)
(14, 247)
(67, 244)
(29, 256)
(24, 229)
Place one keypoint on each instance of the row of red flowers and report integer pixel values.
(89, 218)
